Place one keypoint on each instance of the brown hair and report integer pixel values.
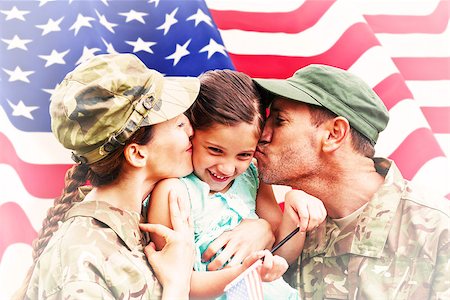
(228, 98)
(360, 143)
(100, 173)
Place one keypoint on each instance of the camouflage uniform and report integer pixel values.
(397, 248)
(97, 253)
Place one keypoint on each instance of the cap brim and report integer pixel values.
(177, 96)
(282, 88)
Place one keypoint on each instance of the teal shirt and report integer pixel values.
(214, 214)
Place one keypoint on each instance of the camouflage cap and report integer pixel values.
(104, 100)
(337, 90)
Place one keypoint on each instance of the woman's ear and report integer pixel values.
(337, 130)
(135, 155)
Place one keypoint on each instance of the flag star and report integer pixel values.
(108, 25)
(141, 45)
(154, 1)
(199, 17)
(20, 109)
(18, 74)
(14, 13)
(169, 21)
(50, 91)
(180, 51)
(134, 15)
(105, 2)
(109, 47)
(81, 21)
(50, 26)
(16, 42)
(87, 54)
(213, 47)
(43, 2)
(54, 58)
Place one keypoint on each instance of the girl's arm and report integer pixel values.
(267, 207)
(300, 210)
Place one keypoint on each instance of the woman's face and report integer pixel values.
(170, 148)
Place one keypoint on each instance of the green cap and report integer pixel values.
(337, 90)
(105, 99)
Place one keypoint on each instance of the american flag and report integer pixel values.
(399, 47)
(247, 286)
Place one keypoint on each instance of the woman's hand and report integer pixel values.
(174, 263)
(249, 236)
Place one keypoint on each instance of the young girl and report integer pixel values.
(227, 122)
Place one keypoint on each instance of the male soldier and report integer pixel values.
(382, 239)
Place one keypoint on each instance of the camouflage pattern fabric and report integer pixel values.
(97, 253)
(397, 248)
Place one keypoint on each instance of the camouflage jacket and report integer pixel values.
(97, 253)
(397, 248)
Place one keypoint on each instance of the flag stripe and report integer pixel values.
(424, 68)
(439, 118)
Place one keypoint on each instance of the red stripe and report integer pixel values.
(418, 148)
(423, 68)
(356, 40)
(438, 118)
(16, 228)
(393, 90)
(436, 22)
(448, 196)
(304, 17)
(41, 181)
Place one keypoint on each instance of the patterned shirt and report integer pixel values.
(397, 248)
(97, 253)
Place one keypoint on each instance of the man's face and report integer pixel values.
(288, 150)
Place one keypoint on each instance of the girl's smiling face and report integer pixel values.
(221, 153)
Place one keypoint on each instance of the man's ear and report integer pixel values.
(135, 154)
(337, 130)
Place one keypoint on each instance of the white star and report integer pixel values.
(43, 2)
(134, 15)
(50, 91)
(18, 74)
(14, 13)
(87, 54)
(105, 22)
(22, 110)
(213, 47)
(200, 16)
(50, 26)
(154, 1)
(54, 58)
(169, 21)
(141, 45)
(105, 2)
(81, 21)
(16, 42)
(180, 51)
(109, 47)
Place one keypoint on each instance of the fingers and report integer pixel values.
(157, 229)
(273, 267)
(220, 259)
(215, 246)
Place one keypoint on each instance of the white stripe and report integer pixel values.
(434, 176)
(378, 62)
(312, 41)
(12, 190)
(430, 93)
(14, 265)
(444, 142)
(397, 7)
(417, 44)
(34, 147)
(405, 117)
(269, 6)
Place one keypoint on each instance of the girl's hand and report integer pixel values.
(272, 267)
(305, 210)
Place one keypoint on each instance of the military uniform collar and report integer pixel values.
(368, 233)
(124, 223)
